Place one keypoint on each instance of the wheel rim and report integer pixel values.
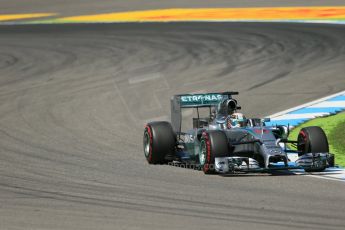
(302, 142)
(146, 144)
(202, 155)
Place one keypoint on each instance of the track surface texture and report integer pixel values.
(74, 99)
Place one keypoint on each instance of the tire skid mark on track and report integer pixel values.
(135, 206)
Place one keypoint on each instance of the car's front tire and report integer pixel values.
(213, 143)
(312, 140)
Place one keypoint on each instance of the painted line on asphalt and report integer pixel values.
(12, 17)
(334, 174)
(329, 104)
(54, 21)
(337, 174)
(314, 14)
(294, 116)
(322, 107)
(185, 14)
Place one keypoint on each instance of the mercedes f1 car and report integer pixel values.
(224, 141)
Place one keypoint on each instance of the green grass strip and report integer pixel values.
(334, 127)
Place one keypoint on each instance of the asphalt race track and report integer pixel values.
(74, 99)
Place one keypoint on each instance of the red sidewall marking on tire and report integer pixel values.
(148, 128)
(304, 135)
(206, 167)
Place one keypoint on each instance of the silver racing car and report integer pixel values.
(225, 141)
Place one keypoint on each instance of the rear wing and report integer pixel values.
(194, 101)
(202, 100)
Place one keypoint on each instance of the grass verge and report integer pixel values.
(334, 127)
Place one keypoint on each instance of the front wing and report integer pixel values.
(309, 161)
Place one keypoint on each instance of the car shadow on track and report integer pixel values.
(239, 174)
(275, 173)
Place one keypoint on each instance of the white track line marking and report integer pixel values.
(329, 104)
(306, 104)
(299, 116)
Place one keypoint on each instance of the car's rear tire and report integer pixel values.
(159, 141)
(213, 143)
(312, 140)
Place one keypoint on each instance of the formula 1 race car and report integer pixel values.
(224, 141)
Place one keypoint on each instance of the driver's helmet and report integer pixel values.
(236, 120)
